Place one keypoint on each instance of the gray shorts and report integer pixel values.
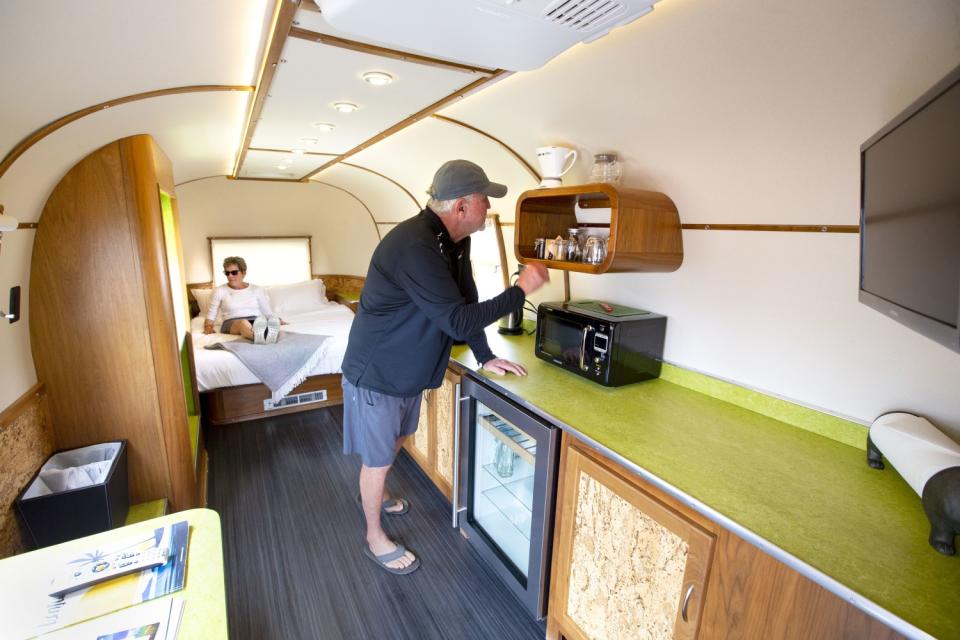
(373, 422)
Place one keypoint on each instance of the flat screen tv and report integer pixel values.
(910, 215)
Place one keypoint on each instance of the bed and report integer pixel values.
(230, 392)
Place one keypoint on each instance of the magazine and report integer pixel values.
(153, 620)
(116, 593)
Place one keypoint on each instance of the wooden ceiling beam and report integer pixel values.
(363, 47)
(283, 14)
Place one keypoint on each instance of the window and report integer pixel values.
(270, 260)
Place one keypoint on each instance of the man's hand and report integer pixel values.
(207, 328)
(533, 276)
(501, 366)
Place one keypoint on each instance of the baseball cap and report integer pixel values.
(458, 178)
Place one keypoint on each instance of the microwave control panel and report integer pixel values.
(601, 345)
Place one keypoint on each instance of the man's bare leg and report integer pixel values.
(396, 506)
(372, 480)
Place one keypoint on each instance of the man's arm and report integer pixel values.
(425, 277)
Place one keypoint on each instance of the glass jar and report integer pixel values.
(574, 252)
(605, 168)
(595, 251)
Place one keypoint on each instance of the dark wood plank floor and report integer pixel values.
(293, 535)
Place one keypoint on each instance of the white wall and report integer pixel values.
(343, 233)
(751, 111)
(743, 111)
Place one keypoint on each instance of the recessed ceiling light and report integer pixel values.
(309, 142)
(286, 160)
(324, 126)
(281, 167)
(377, 78)
(345, 107)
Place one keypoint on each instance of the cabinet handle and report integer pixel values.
(686, 601)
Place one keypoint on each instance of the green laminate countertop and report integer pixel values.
(808, 495)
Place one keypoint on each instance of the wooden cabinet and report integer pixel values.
(432, 446)
(630, 561)
(644, 226)
(103, 316)
(625, 564)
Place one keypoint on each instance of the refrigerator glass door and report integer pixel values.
(508, 456)
(503, 474)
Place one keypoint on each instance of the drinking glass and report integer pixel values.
(504, 460)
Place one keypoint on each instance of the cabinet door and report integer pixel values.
(625, 564)
(419, 444)
(444, 415)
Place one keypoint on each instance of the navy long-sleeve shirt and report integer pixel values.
(418, 298)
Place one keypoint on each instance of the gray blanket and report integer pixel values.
(281, 366)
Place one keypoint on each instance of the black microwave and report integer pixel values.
(612, 345)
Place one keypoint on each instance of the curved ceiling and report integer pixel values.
(60, 57)
(197, 131)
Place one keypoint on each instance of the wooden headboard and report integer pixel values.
(335, 283)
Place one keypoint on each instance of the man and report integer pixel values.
(418, 298)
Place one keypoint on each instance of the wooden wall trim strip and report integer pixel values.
(283, 14)
(349, 164)
(517, 156)
(799, 228)
(389, 179)
(217, 175)
(12, 412)
(362, 203)
(47, 129)
(403, 124)
(362, 47)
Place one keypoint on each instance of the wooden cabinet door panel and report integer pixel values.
(753, 595)
(418, 445)
(625, 564)
(445, 407)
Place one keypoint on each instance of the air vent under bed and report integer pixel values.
(308, 397)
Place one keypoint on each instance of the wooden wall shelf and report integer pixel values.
(644, 227)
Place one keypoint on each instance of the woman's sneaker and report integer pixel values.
(260, 330)
(273, 329)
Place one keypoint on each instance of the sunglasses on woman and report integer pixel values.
(231, 273)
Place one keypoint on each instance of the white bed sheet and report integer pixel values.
(218, 368)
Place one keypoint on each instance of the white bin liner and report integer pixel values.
(74, 469)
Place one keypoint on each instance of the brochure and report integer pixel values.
(153, 620)
(119, 592)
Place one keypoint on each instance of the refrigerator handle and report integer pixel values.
(455, 498)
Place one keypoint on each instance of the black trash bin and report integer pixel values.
(76, 493)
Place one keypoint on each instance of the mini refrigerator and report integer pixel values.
(503, 489)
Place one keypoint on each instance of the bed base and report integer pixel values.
(237, 404)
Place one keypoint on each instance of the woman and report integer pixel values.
(245, 306)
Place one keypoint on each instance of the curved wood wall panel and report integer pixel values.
(101, 322)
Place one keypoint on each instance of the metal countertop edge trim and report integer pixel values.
(866, 605)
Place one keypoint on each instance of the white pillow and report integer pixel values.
(301, 297)
(202, 296)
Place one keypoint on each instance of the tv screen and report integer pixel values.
(910, 215)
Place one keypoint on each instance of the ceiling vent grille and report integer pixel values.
(308, 397)
(585, 15)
